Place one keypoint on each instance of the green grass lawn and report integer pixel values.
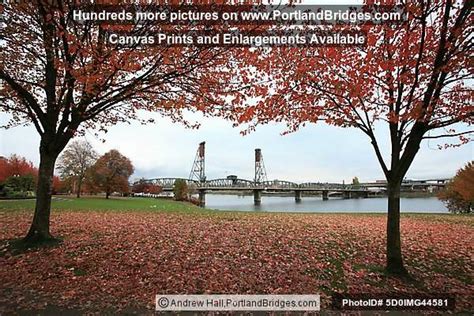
(142, 204)
(61, 203)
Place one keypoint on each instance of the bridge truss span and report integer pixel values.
(168, 183)
(237, 183)
(279, 184)
(316, 186)
(228, 183)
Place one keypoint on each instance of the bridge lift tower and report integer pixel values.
(260, 176)
(198, 169)
(260, 172)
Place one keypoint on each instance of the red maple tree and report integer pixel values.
(16, 166)
(413, 78)
(143, 186)
(63, 77)
(111, 172)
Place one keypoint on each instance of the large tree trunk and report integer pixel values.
(79, 187)
(394, 263)
(39, 230)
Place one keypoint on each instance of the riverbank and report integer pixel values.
(116, 255)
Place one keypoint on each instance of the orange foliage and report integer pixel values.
(459, 193)
(463, 182)
(411, 74)
(19, 166)
(16, 166)
(111, 173)
(142, 186)
(58, 185)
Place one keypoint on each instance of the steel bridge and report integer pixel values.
(223, 184)
(197, 182)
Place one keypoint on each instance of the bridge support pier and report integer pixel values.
(365, 194)
(202, 198)
(257, 197)
(325, 195)
(297, 196)
(347, 194)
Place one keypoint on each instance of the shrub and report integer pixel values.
(180, 190)
(19, 186)
(459, 193)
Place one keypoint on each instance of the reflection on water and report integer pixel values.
(316, 204)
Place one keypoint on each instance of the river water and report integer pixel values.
(316, 204)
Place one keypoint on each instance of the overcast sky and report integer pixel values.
(315, 153)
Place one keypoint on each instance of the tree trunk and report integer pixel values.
(394, 263)
(79, 187)
(39, 230)
(107, 194)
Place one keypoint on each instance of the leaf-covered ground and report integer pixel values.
(119, 260)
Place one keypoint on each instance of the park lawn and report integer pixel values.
(118, 260)
(96, 203)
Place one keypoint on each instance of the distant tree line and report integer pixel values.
(144, 186)
(81, 170)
